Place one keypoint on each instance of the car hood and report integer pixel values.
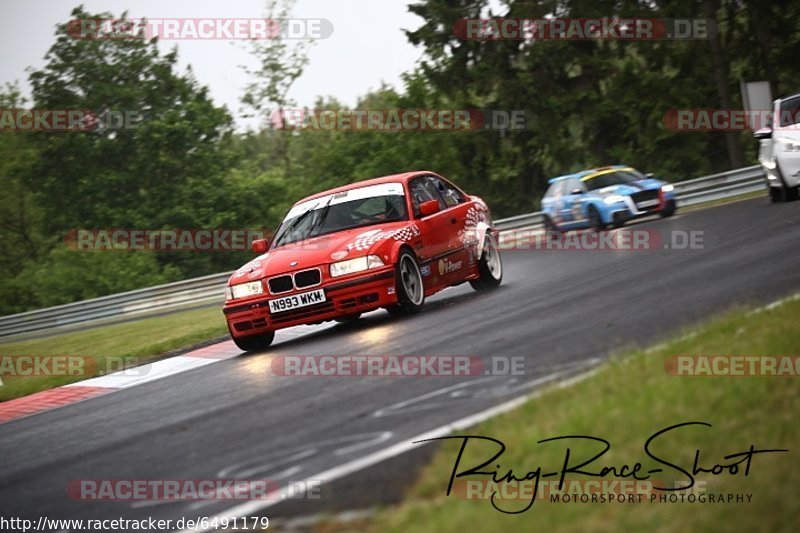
(322, 250)
(626, 189)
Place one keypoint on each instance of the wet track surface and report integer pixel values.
(236, 419)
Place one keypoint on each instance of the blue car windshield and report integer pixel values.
(612, 178)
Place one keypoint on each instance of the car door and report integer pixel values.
(460, 240)
(566, 206)
(432, 243)
(576, 200)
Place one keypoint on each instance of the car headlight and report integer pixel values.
(357, 264)
(788, 145)
(613, 199)
(244, 289)
(668, 187)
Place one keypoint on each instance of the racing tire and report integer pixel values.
(595, 220)
(669, 209)
(254, 343)
(777, 194)
(782, 193)
(550, 229)
(409, 287)
(490, 266)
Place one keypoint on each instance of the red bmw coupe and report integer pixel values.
(386, 242)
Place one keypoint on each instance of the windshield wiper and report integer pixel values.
(293, 225)
(321, 218)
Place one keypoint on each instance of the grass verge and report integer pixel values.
(109, 347)
(630, 399)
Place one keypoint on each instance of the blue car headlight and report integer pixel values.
(613, 199)
(668, 187)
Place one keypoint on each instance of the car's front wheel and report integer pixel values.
(255, 343)
(408, 286)
(669, 209)
(490, 266)
(595, 220)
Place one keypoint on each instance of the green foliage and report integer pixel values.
(589, 103)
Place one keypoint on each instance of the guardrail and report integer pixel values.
(210, 290)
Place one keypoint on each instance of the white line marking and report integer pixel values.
(327, 476)
(146, 373)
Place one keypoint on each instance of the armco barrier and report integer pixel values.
(209, 290)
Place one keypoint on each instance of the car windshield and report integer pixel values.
(612, 178)
(364, 206)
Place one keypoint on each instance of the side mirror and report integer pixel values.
(763, 133)
(576, 190)
(429, 208)
(259, 246)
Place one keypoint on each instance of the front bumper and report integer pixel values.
(627, 210)
(354, 294)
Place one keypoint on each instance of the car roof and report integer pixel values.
(404, 177)
(588, 174)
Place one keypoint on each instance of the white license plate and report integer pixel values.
(647, 203)
(296, 301)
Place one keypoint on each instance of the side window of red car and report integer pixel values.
(422, 190)
(449, 194)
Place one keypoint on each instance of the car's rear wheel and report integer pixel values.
(255, 343)
(408, 286)
(490, 266)
(595, 219)
(551, 231)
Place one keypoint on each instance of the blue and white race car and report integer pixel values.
(605, 196)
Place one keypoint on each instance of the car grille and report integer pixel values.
(307, 278)
(298, 280)
(645, 196)
(280, 284)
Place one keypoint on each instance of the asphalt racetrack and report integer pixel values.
(236, 419)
